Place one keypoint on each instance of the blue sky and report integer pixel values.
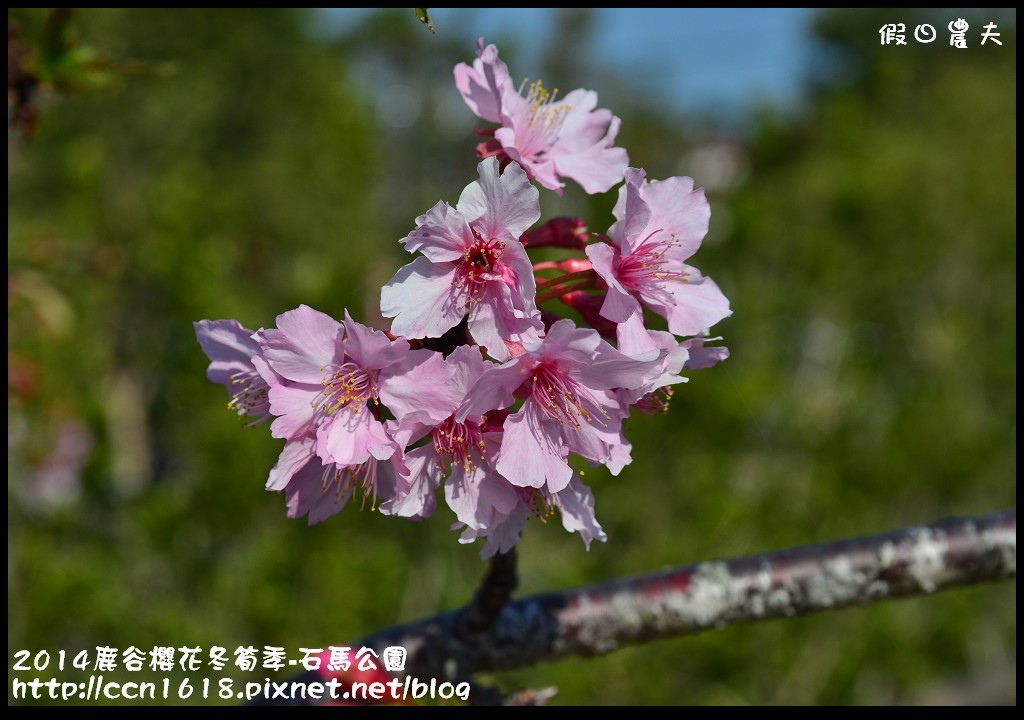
(707, 60)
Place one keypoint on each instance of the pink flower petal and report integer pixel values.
(442, 234)
(530, 457)
(302, 344)
(423, 300)
(500, 206)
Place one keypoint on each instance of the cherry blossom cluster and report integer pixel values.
(475, 390)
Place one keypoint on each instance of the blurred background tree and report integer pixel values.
(868, 245)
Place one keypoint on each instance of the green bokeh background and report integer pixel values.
(867, 242)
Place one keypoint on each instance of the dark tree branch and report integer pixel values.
(601, 618)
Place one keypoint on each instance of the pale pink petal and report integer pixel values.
(423, 300)
(266, 372)
(295, 455)
(410, 431)
(619, 305)
(516, 271)
(541, 170)
(494, 321)
(493, 390)
(305, 493)
(576, 503)
(671, 360)
(478, 495)
(502, 536)
(585, 149)
(692, 307)
(351, 438)
(597, 169)
(613, 369)
(381, 478)
(468, 365)
(619, 456)
(632, 177)
(530, 456)
(675, 356)
(415, 493)
(482, 85)
(589, 441)
(633, 336)
(302, 345)
(461, 371)
(703, 356)
(582, 126)
(634, 227)
(371, 349)
(442, 234)
(421, 386)
(295, 407)
(570, 345)
(500, 206)
(229, 347)
(680, 212)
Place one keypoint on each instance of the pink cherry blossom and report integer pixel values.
(550, 137)
(459, 454)
(472, 263)
(496, 398)
(326, 379)
(318, 490)
(231, 349)
(575, 504)
(659, 226)
(568, 382)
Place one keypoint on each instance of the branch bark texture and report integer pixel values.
(598, 619)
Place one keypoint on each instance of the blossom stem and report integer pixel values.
(555, 287)
(561, 289)
(579, 275)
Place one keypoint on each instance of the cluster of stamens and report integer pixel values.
(656, 402)
(479, 262)
(345, 479)
(542, 102)
(539, 132)
(345, 385)
(454, 443)
(562, 399)
(541, 506)
(250, 400)
(647, 262)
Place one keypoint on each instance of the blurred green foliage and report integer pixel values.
(868, 248)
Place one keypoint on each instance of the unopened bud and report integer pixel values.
(589, 306)
(563, 232)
